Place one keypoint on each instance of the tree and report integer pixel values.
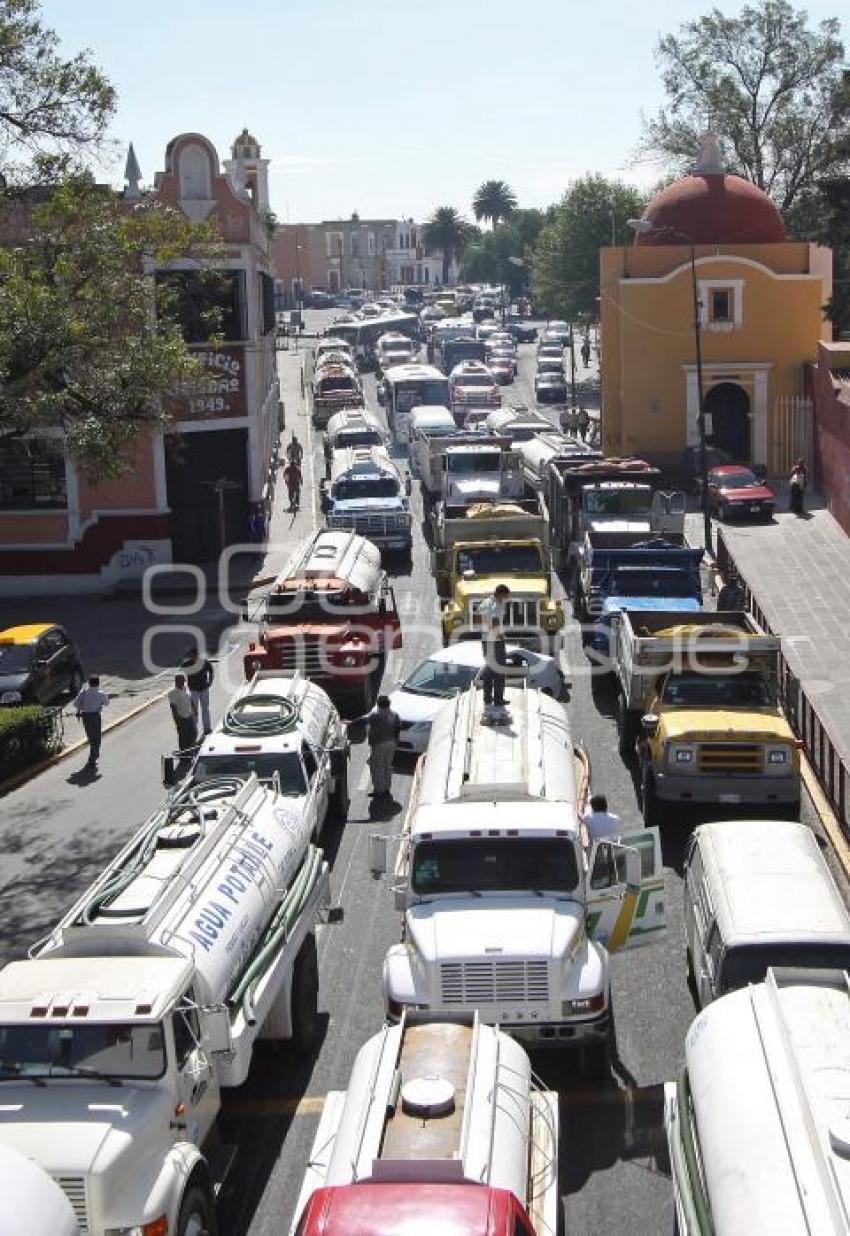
(47, 104)
(565, 264)
(773, 89)
(493, 201)
(79, 344)
(447, 231)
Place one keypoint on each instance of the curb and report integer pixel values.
(26, 774)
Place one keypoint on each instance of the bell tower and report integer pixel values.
(248, 173)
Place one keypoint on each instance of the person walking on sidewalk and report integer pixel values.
(797, 482)
(292, 479)
(294, 450)
(180, 703)
(89, 705)
(384, 729)
(585, 351)
(583, 423)
(199, 678)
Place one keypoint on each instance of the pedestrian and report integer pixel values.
(797, 482)
(292, 479)
(599, 822)
(89, 705)
(492, 607)
(493, 677)
(199, 679)
(585, 351)
(294, 450)
(384, 729)
(583, 422)
(180, 703)
(257, 523)
(730, 596)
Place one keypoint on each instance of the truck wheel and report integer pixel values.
(305, 997)
(339, 800)
(197, 1216)
(596, 1058)
(625, 729)
(653, 809)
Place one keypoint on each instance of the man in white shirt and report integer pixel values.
(493, 609)
(180, 702)
(599, 822)
(88, 705)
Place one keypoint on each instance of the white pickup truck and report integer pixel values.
(501, 911)
(120, 1031)
(468, 468)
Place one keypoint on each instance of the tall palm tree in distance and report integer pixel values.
(494, 200)
(447, 231)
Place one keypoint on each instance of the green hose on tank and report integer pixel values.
(287, 913)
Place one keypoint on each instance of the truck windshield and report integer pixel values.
(334, 386)
(618, 501)
(315, 607)
(110, 1050)
(358, 437)
(417, 394)
(474, 379)
(366, 487)
(713, 690)
(749, 963)
(266, 764)
(500, 560)
(652, 582)
(470, 463)
(494, 865)
(15, 658)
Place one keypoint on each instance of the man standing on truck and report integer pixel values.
(600, 823)
(494, 607)
(493, 678)
(384, 729)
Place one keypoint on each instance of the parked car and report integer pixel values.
(522, 331)
(550, 364)
(317, 299)
(503, 368)
(39, 662)
(736, 492)
(450, 671)
(550, 387)
(550, 349)
(559, 330)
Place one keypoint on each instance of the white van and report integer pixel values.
(757, 1123)
(758, 893)
(432, 421)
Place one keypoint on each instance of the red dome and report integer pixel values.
(712, 209)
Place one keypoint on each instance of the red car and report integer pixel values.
(734, 491)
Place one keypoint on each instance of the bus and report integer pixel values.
(411, 386)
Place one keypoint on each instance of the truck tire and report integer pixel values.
(654, 813)
(339, 800)
(197, 1214)
(305, 997)
(626, 729)
(596, 1058)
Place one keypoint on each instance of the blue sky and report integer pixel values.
(385, 108)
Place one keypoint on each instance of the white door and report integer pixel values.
(625, 890)
(196, 1078)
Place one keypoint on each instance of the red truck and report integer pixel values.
(330, 614)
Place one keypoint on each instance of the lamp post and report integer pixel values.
(644, 227)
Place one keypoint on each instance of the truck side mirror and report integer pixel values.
(377, 854)
(649, 724)
(400, 897)
(218, 1040)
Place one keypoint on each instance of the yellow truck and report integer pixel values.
(488, 544)
(712, 731)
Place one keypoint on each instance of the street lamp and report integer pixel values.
(644, 227)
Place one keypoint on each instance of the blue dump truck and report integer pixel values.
(620, 571)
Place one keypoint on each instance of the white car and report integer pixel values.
(419, 698)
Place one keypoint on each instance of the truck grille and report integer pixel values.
(521, 614)
(730, 757)
(74, 1188)
(364, 524)
(309, 657)
(494, 982)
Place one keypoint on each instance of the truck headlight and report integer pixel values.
(683, 754)
(778, 755)
(349, 659)
(588, 1004)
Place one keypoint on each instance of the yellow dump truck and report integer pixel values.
(712, 730)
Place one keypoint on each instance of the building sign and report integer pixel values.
(218, 392)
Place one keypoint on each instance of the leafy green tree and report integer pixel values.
(773, 89)
(79, 344)
(494, 201)
(448, 232)
(47, 104)
(565, 265)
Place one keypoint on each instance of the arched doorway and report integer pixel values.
(728, 405)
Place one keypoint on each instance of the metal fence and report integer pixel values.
(830, 769)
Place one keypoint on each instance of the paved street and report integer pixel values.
(58, 832)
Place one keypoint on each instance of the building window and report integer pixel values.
(355, 244)
(32, 474)
(267, 303)
(721, 304)
(371, 244)
(335, 244)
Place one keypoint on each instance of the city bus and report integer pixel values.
(411, 386)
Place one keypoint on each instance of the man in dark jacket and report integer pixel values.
(384, 729)
(199, 677)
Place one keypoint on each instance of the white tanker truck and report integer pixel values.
(119, 1032)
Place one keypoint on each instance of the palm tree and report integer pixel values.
(494, 200)
(447, 231)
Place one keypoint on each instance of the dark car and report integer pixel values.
(523, 332)
(317, 299)
(39, 662)
(550, 387)
(736, 492)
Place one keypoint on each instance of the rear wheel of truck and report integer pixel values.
(626, 729)
(654, 813)
(595, 1062)
(339, 800)
(197, 1214)
(305, 997)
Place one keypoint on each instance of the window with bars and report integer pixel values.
(32, 474)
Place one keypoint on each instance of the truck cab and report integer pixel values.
(472, 386)
(393, 348)
(331, 614)
(367, 493)
(479, 471)
(352, 427)
(502, 912)
(441, 1128)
